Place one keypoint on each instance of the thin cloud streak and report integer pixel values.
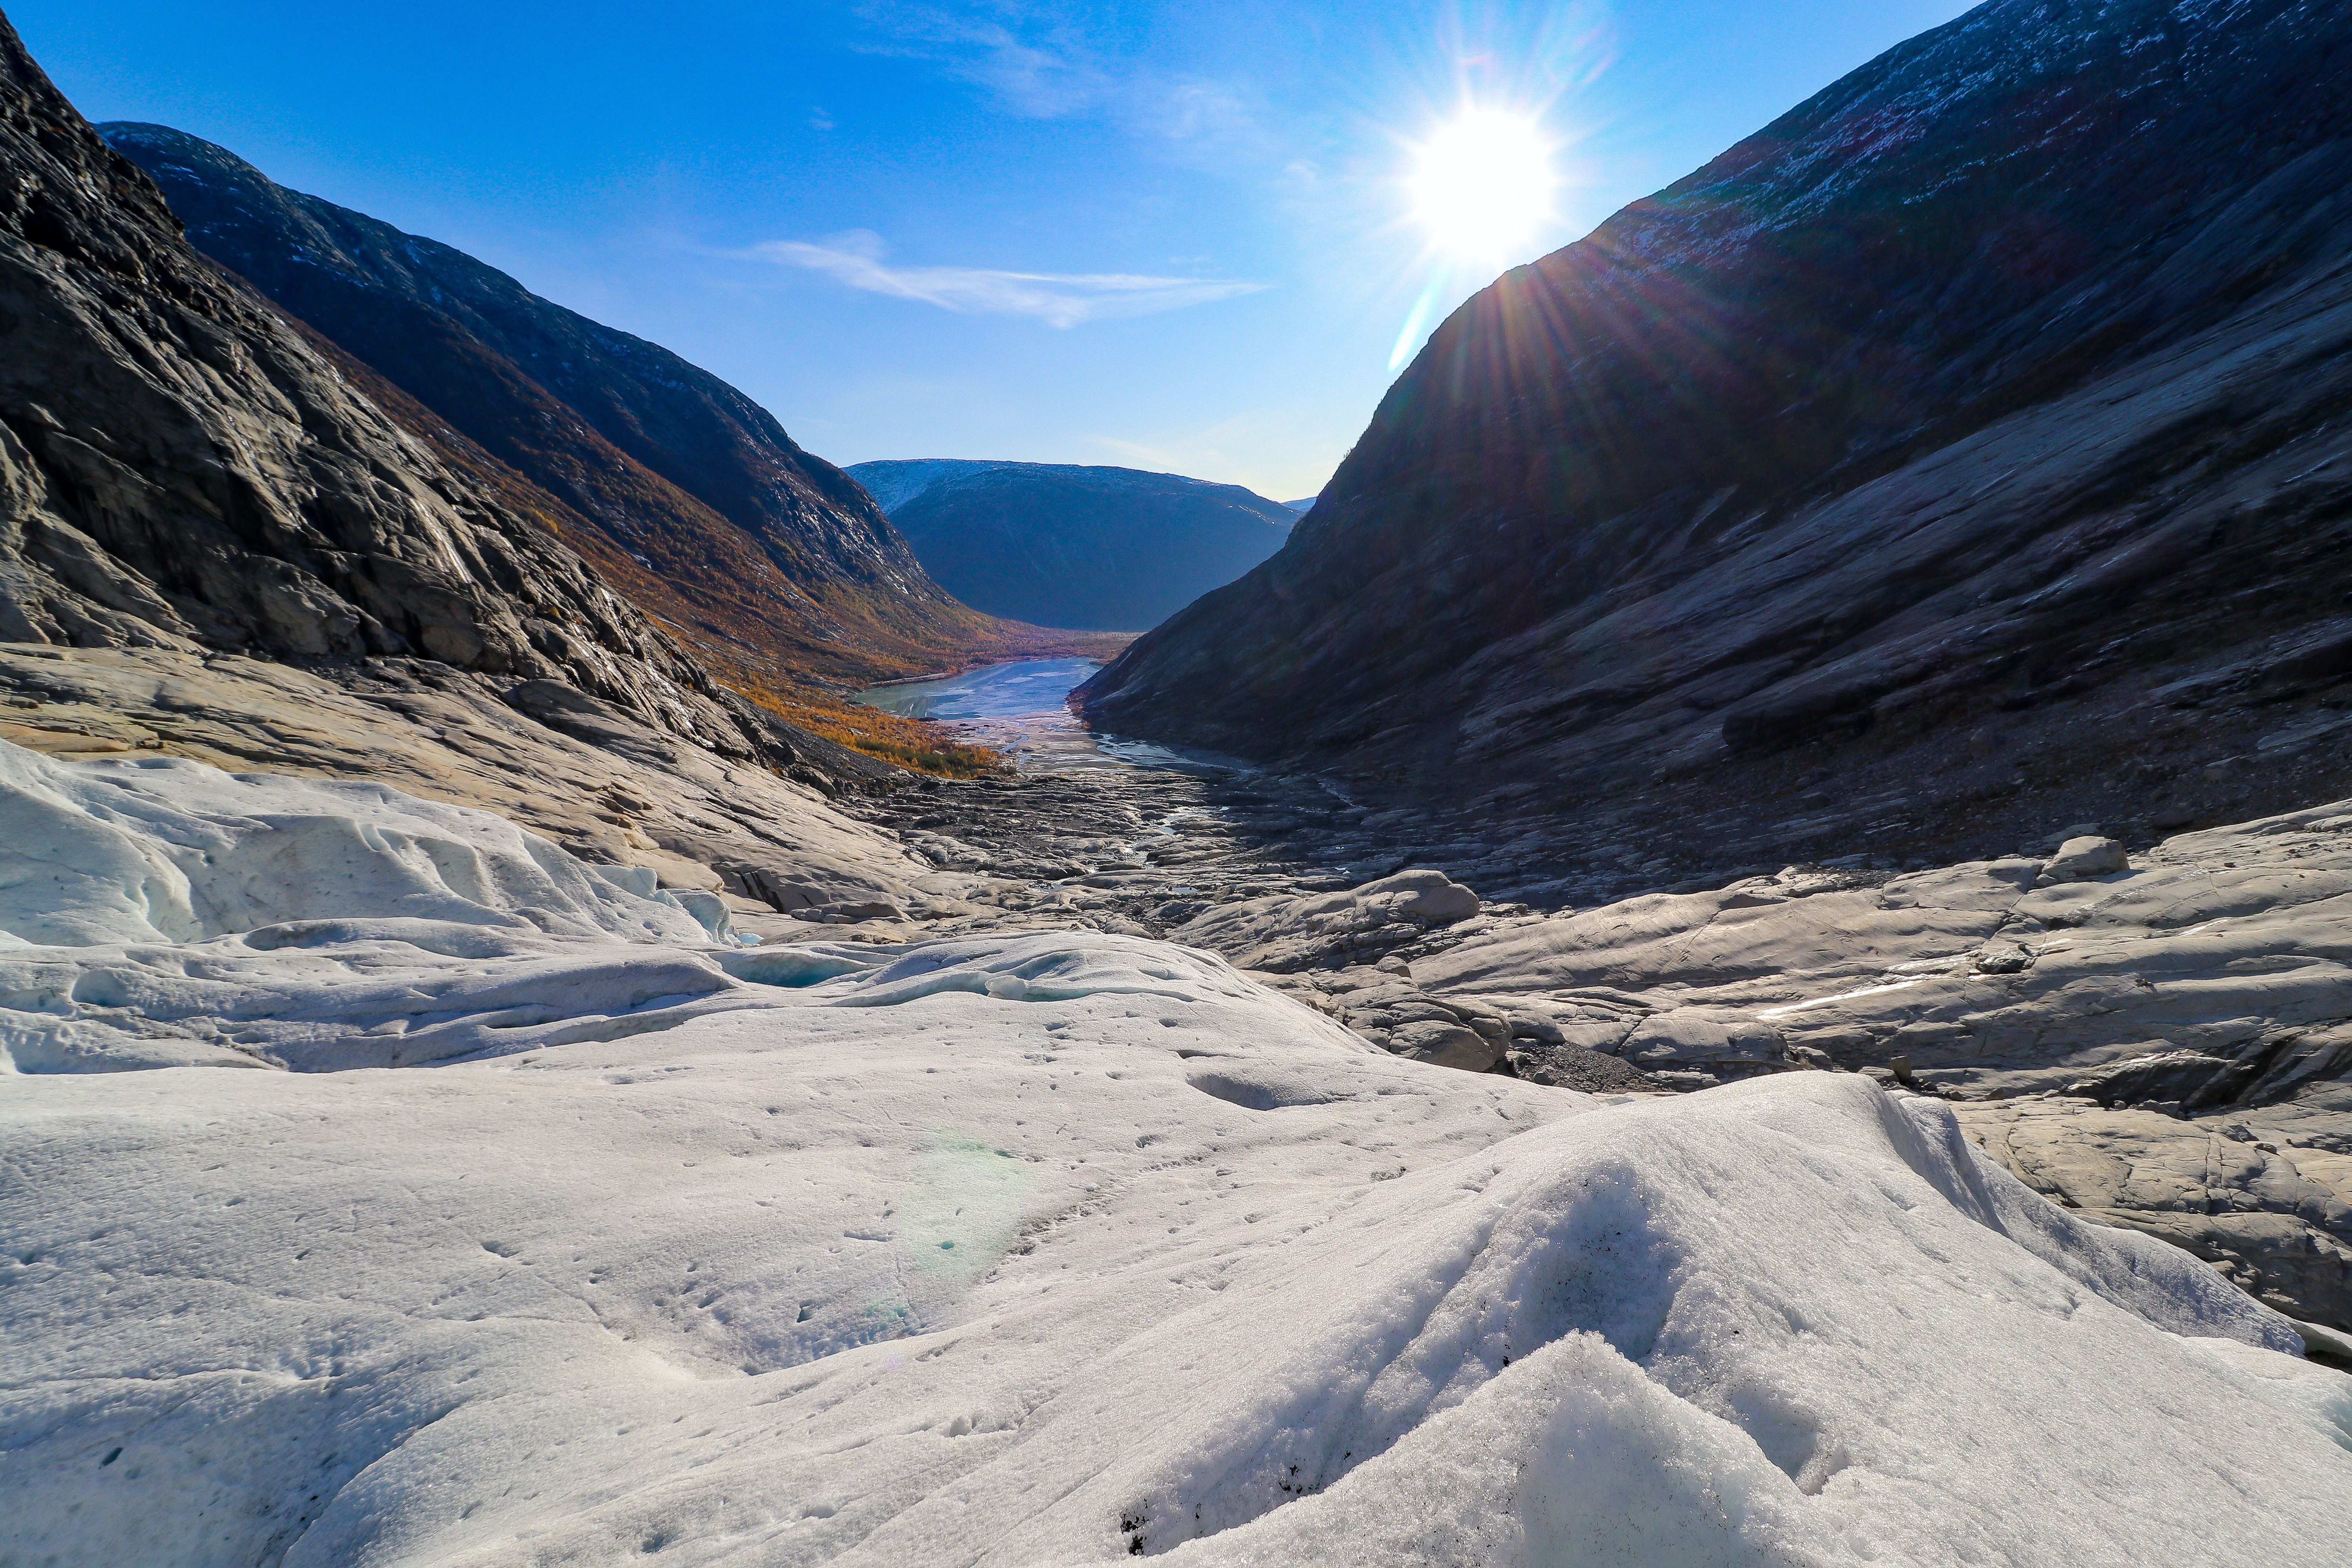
(1052, 59)
(1058, 299)
(1034, 59)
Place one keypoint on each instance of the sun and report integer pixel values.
(1482, 183)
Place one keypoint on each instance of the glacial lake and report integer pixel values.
(1017, 707)
(994, 691)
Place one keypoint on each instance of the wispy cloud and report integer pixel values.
(1056, 298)
(1058, 59)
(1033, 58)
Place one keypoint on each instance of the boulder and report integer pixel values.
(1446, 1046)
(1286, 933)
(2079, 859)
(1726, 1044)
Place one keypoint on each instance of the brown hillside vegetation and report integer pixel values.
(718, 605)
(766, 563)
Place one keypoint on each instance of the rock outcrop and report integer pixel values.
(182, 472)
(1065, 545)
(588, 773)
(2166, 1045)
(1281, 933)
(1963, 448)
(774, 566)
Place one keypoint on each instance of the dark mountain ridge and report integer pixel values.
(772, 562)
(1990, 400)
(184, 472)
(1065, 545)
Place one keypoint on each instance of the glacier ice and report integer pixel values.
(576, 1236)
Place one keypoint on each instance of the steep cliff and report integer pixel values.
(1965, 443)
(1063, 544)
(770, 562)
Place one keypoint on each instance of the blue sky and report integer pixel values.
(1174, 235)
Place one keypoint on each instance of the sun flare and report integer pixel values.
(1482, 183)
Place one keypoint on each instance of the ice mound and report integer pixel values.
(1057, 966)
(330, 996)
(164, 849)
(338, 994)
(163, 913)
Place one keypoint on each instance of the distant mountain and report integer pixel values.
(1065, 545)
(768, 561)
(1301, 506)
(1971, 441)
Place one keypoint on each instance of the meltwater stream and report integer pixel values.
(1023, 686)
(1019, 708)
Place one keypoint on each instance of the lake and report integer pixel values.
(1016, 707)
(996, 691)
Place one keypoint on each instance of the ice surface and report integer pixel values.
(1047, 1249)
(166, 849)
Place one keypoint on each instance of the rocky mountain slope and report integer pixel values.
(771, 565)
(184, 472)
(1965, 449)
(1065, 545)
(217, 544)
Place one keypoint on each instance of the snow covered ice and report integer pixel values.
(576, 1235)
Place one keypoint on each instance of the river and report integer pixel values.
(1018, 708)
(1019, 688)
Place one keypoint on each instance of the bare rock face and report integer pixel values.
(1962, 449)
(180, 470)
(1281, 933)
(2274, 1216)
(2166, 1044)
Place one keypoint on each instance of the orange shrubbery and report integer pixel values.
(918, 743)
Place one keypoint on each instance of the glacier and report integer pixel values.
(544, 1222)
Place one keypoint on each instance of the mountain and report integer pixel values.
(184, 471)
(775, 567)
(217, 545)
(1302, 507)
(1065, 545)
(1966, 448)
